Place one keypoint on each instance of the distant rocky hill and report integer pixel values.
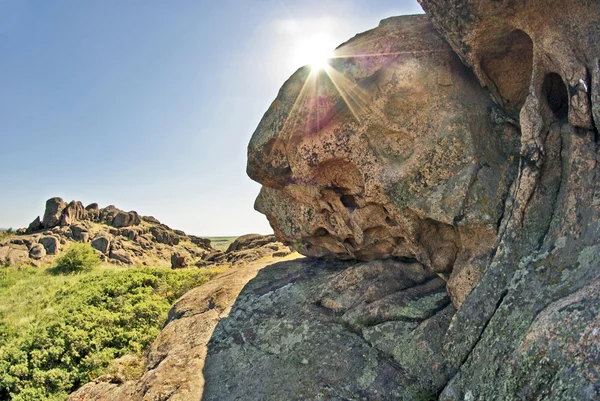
(123, 238)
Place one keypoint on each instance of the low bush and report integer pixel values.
(79, 257)
(71, 327)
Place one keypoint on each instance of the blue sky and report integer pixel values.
(149, 105)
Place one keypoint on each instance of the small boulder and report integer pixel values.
(282, 253)
(179, 260)
(37, 252)
(51, 244)
(102, 244)
(203, 243)
(22, 231)
(121, 255)
(80, 232)
(250, 241)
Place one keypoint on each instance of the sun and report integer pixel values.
(314, 50)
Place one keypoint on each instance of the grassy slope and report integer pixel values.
(59, 331)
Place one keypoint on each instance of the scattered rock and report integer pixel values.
(80, 232)
(179, 260)
(150, 243)
(121, 255)
(37, 252)
(102, 244)
(51, 244)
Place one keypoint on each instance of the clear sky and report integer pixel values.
(149, 105)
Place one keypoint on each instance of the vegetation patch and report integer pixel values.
(78, 258)
(58, 332)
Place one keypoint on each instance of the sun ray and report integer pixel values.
(351, 93)
(338, 56)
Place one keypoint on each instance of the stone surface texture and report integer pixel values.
(479, 164)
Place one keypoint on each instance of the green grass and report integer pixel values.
(58, 332)
(221, 243)
(5, 234)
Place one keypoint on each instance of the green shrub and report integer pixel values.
(72, 327)
(79, 257)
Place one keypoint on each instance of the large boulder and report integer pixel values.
(164, 236)
(53, 212)
(34, 226)
(51, 243)
(37, 252)
(102, 244)
(13, 254)
(72, 213)
(121, 255)
(399, 152)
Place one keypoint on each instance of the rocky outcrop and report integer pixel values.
(470, 149)
(250, 241)
(120, 237)
(392, 164)
(125, 238)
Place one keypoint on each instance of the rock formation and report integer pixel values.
(405, 155)
(123, 238)
(472, 153)
(442, 176)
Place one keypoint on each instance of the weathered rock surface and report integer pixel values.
(53, 212)
(404, 155)
(310, 320)
(396, 150)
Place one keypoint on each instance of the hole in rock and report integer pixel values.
(349, 201)
(351, 242)
(320, 232)
(508, 62)
(556, 94)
